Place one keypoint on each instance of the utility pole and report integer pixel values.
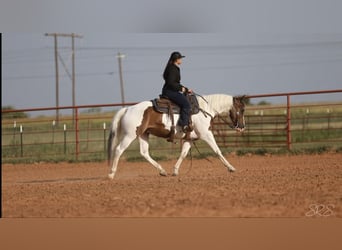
(57, 74)
(120, 56)
(73, 36)
(73, 74)
(57, 78)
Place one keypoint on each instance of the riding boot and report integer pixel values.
(187, 136)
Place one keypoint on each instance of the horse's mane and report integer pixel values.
(217, 102)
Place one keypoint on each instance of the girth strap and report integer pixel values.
(172, 131)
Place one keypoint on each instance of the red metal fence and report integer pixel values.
(267, 126)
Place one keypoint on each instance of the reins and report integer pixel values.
(200, 96)
(191, 157)
(227, 123)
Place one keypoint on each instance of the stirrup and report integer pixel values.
(187, 128)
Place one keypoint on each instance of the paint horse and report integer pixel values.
(141, 120)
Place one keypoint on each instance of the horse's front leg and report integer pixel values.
(210, 139)
(185, 150)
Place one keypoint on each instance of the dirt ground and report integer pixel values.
(262, 186)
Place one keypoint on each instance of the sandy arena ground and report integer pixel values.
(262, 186)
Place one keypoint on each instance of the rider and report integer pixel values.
(175, 91)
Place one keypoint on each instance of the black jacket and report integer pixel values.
(172, 78)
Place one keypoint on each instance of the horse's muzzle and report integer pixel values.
(239, 128)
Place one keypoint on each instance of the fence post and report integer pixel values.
(262, 126)
(248, 128)
(21, 141)
(288, 120)
(104, 137)
(76, 133)
(64, 139)
(88, 128)
(14, 128)
(328, 111)
(53, 131)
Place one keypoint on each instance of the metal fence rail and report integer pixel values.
(267, 127)
(270, 126)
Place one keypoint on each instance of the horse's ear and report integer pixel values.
(244, 99)
(238, 97)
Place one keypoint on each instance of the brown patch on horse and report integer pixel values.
(152, 124)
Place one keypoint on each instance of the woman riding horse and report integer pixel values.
(175, 91)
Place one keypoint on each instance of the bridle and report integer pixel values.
(228, 123)
(237, 113)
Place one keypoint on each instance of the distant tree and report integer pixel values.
(92, 110)
(12, 115)
(247, 101)
(263, 102)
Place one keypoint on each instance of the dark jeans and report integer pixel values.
(183, 103)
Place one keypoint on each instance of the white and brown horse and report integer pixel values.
(140, 120)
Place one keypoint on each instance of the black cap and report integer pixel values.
(176, 55)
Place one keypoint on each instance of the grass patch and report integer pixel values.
(314, 131)
(296, 151)
(261, 151)
(140, 158)
(203, 155)
(313, 150)
(258, 151)
(338, 150)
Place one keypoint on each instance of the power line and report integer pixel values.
(331, 60)
(64, 66)
(248, 48)
(60, 76)
(230, 47)
(90, 58)
(264, 45)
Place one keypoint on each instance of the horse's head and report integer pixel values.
(236, 113)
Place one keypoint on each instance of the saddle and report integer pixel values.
(165, 106)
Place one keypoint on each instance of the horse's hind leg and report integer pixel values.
(120, 148)
(144, 151)
(185, 150)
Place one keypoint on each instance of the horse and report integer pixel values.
(140, 121)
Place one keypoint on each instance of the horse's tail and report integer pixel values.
(114, 134)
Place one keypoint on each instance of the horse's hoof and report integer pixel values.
(162, 173)
(111, 176)
(231, 170)
(174, 174)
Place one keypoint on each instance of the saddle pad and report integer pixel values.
(162, 105)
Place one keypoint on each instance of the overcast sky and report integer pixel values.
(249, 47)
